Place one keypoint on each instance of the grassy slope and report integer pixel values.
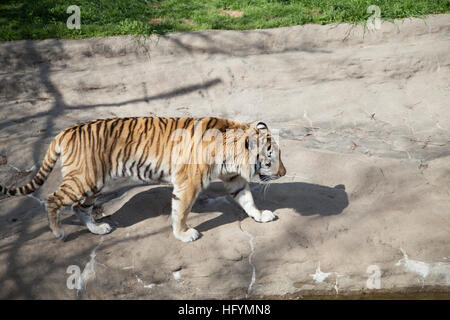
(30, 19)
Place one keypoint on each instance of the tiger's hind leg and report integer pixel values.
(84, 212)
(64, 196)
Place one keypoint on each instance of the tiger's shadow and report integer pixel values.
(304, 198)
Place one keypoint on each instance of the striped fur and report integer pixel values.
(155, 149)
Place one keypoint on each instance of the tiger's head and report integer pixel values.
(265, 153)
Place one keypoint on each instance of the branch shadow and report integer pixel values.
(240, 46)
(34, 78)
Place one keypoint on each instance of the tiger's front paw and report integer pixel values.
(190, 235)
(265, 216)
(59, 233)
(99, 228)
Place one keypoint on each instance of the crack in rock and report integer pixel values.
(422, 268)
(250, 262)
(88, 273)
(146, 286)
(320, 276)
(437, 270)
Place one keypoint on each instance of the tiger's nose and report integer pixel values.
(281, 170)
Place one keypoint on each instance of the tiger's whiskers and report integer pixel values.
(266, 186)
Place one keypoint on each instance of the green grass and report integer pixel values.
(41, 19)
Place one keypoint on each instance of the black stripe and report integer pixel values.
(146, 170)
(58, 198)
(79, 184)
(207, 124)
(113, 125)
(117, 161)
(69, 187)
(158, 164)
(186, 123)
(214, 124)
(64, 133)
(46, 168)
(141, 162)
(99, 125)
(169, 130)
(131, 128)
(146, 126)
(89, 133)
(38, 181)
(131, 168)
(97, 135)
(122, 124)
(28, 189)
(127, 153)
(105, 127)
(71, 196)
(161, 124)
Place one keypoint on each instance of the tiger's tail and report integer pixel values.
(50, 159)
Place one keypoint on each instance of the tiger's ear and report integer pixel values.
(259, 125)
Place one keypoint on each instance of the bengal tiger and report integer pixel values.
(186, 152)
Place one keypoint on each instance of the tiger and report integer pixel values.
(187, 153)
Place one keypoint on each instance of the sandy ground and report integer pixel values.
(364, 127)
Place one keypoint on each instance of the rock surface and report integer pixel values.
(363, 123)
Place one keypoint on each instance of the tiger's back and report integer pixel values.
(141, 147)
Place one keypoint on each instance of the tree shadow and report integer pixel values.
(31, 67)
(239, 46)
(306, 199)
